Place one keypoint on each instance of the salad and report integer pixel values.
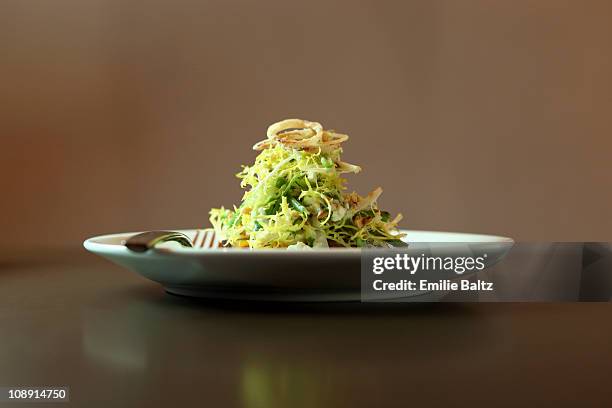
(295, 196)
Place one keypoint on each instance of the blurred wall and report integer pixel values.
(482, 116)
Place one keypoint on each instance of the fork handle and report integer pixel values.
(146, 240)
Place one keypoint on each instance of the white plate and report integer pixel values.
(273, 274)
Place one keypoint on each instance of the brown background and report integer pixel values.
(475, 116)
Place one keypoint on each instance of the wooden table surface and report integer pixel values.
(68, 318)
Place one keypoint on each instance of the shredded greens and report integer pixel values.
(295, 196)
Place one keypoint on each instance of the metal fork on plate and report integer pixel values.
(204, 239)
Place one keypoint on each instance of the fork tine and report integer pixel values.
(216, 243)
(207, 239)
(195, 238)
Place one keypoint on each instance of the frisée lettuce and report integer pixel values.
(295, 196)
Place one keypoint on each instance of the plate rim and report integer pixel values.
(91, 245)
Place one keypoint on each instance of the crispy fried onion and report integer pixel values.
(301, 134)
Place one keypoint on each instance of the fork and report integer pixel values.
(204, 239)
